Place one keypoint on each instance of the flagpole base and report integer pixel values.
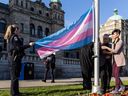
(96, 89)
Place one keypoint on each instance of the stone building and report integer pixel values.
(36, 21)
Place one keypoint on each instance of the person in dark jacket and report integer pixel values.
(49, 65)
(15, 50)
(105, 65)
(87, 65)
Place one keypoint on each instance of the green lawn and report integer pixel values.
(66, 90)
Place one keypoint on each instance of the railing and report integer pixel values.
(68, 61)
(28, 57)
(35, 59)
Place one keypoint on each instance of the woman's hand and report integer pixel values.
(31, 43)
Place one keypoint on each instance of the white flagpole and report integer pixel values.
(96, 86)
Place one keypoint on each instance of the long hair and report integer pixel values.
(10, 30)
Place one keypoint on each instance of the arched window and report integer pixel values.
(55, 16)
(39, 32)
(26, 4)
(16, 2)
(55, 7)
(22, 4)
(22, 27)
(47, 32)
(40, 12)
(47, 14)
(2, 25)
(32, 30)
(32, 9)
(58, 17)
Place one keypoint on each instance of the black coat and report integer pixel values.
(86, 60)
(16, 47)
(103, 56)
(50, 61)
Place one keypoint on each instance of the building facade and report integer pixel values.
(36, 21)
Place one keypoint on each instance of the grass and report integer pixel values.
(65, 90)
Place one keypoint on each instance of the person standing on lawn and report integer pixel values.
(87, 65)
(15, 49)
(118, 59)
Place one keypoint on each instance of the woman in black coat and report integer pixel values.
(15, 50)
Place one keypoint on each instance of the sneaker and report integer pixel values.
(114, 91)
(103, 91)
(122, 88)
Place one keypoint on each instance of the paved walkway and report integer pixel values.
(38, 83)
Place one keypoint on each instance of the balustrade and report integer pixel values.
(35, 58)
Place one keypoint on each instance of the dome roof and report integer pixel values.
(115, 16)
(55, 0)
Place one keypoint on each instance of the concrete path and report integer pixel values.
(38, 83)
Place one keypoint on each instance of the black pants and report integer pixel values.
(87, 65)
(87, 83)
(46, 73)
(15, 73)
(105, 74)
(87, 71)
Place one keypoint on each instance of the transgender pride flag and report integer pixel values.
(76, 36)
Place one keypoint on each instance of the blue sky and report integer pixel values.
(75, 8)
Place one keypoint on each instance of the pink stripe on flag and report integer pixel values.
(77, 39)
(45, 52)
(89, 18)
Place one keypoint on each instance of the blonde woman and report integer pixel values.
(15, 50)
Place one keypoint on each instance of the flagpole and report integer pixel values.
(96, 86)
